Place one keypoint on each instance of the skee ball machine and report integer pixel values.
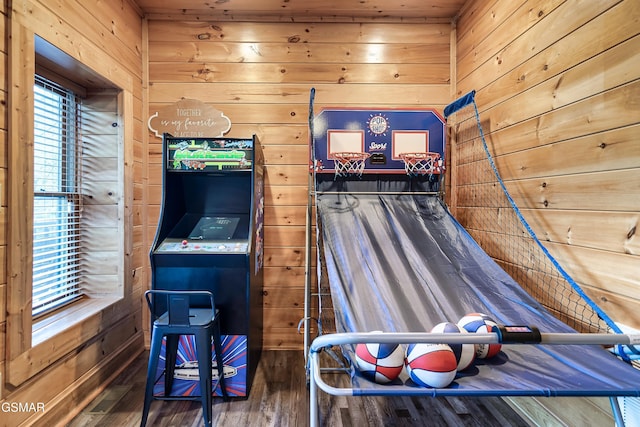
(210, 237)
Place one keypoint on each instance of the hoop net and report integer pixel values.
(421, 163)
(349, 163)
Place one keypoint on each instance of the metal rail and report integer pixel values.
(329, 340)
(375, 193)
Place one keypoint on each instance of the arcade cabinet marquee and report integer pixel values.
(209, 237)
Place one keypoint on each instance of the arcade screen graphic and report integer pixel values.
(209, 154)
(214, 228)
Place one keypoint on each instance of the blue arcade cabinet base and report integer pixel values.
(186, 378)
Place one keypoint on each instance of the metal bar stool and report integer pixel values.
(183, 318)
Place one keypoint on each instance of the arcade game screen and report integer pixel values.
(214, 228)
(209, 154)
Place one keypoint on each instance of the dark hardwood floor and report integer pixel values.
(279, 397)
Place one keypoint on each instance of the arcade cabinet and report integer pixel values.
(210, 237)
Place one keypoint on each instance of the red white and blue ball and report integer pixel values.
(431, 365)
(381, 363)
(481, 323)
(465, 353)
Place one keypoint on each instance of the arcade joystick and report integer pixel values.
(185, 243)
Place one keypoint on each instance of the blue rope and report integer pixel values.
(468, 99)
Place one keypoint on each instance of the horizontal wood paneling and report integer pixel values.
(569, 145)
(311, 53)
(265, 93)
(285, 257)
(497, 31)
(610, 190)
(560, 59)
(303, 73)
(307, 32)
(283, 278)
(602, 73)
(285, 235)
(67, 21)
(287, 174)
(616, 231)
(319, 9)
(494, 61)
(101, 258)
(249, 115)
(598, 152)
(602, 112)
(290, 195)
(283, 339)
(479, 20)
(580, 262)
(615, 272)
(123, 336)
(557, 85)
(105, 37)
(260, 75)
(286, 215)
(275, 154)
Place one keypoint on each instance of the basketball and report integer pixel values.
(381, 363)
(481, 323)
(431, 365)
(465, 353)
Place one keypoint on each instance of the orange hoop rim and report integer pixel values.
(419, 156)
(421, 163)
(350, 155)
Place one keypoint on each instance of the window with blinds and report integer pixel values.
(57, 202)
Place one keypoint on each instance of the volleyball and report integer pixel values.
(465, 353)
(381, 363)
(481, 323)
(431, 365)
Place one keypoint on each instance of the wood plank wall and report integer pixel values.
(64, 375)
(101, 194)
(557, 81)
(558, 84)
(3, 194)
(259, 75)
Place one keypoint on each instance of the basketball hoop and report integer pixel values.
(421, 163)
(349, 163)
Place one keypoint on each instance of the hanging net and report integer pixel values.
(349, 163)
(421, 163)
(491, 216)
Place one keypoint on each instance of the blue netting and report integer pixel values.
(493, 218)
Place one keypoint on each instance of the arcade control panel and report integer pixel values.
(177, 246)
(211, 234)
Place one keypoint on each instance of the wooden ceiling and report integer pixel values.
(304, 10)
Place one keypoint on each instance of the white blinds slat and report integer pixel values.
(57, 205)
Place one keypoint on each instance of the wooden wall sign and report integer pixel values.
(189, 118)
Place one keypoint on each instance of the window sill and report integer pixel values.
(57, 335)
(67, 318)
